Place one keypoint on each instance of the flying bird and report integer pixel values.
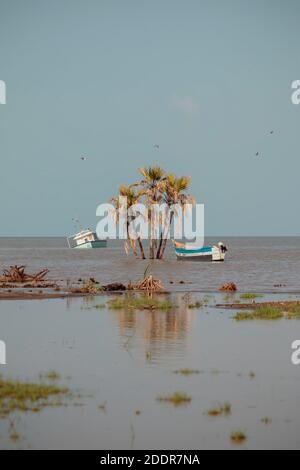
(83, 158)
(156, 146)
(272, 132)
(257, 153)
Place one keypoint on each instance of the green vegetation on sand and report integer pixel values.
(289, 312)
(142, 302)
(176, 399)
(186, 371)
(224, 410)
(251, 296)
(25, 396)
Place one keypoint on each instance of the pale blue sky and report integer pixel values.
(206, 80)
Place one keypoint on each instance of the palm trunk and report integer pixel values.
(164, 242)
(132, 242)
(162, 237)
(141, 248)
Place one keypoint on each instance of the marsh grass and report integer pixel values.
(14, 436)
(224, 410)
(102, 407)
(25, 396)
(142, 302)
(238, 437)
(50, 375)
(196, 304)
(186, 371)
(176, 399)
(265, 420)
(290, 312)
(261, 313)
(250, 295)
(293, 312)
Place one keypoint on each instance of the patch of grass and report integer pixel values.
(186, 371)
(51, 375)
(269, 312)
(293, 312)
(14, 436)
(196, 304)
(238, 437)
(224, 409)
(227, 408)
(102, 407)
(261, 313)
(250, 295)
(142, 302)
(176, 399)
(25, 396)
(265, 420)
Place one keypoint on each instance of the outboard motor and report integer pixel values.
(223, 248)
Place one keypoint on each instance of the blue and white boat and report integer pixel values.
(86, 239)
(190, 252)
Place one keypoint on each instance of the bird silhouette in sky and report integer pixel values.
(83, 158)
(156, 146)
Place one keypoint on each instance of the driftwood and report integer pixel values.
(229, 287)
(115, 286)
(149, 283)
(17, 274)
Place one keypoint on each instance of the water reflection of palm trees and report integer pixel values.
(156, 334)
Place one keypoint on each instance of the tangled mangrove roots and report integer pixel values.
(17, 274)
(149, 283)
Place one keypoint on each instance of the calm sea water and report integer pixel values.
(257, 264)
(125, 360)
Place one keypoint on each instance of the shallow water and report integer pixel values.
(255, 263)
(127, 359)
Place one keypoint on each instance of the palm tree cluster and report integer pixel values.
(155, 188)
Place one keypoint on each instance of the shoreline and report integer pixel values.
(23, 295)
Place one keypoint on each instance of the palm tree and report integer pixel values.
(173, 193)
(133, 197)
(152, 184)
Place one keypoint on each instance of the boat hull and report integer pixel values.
(92, 244)
(208, 253)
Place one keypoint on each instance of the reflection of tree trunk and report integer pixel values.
(165, 239)
(151, 248)
(159, 246)
(141, 247)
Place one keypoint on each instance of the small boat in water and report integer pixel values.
(86, 239)
(190, 252)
